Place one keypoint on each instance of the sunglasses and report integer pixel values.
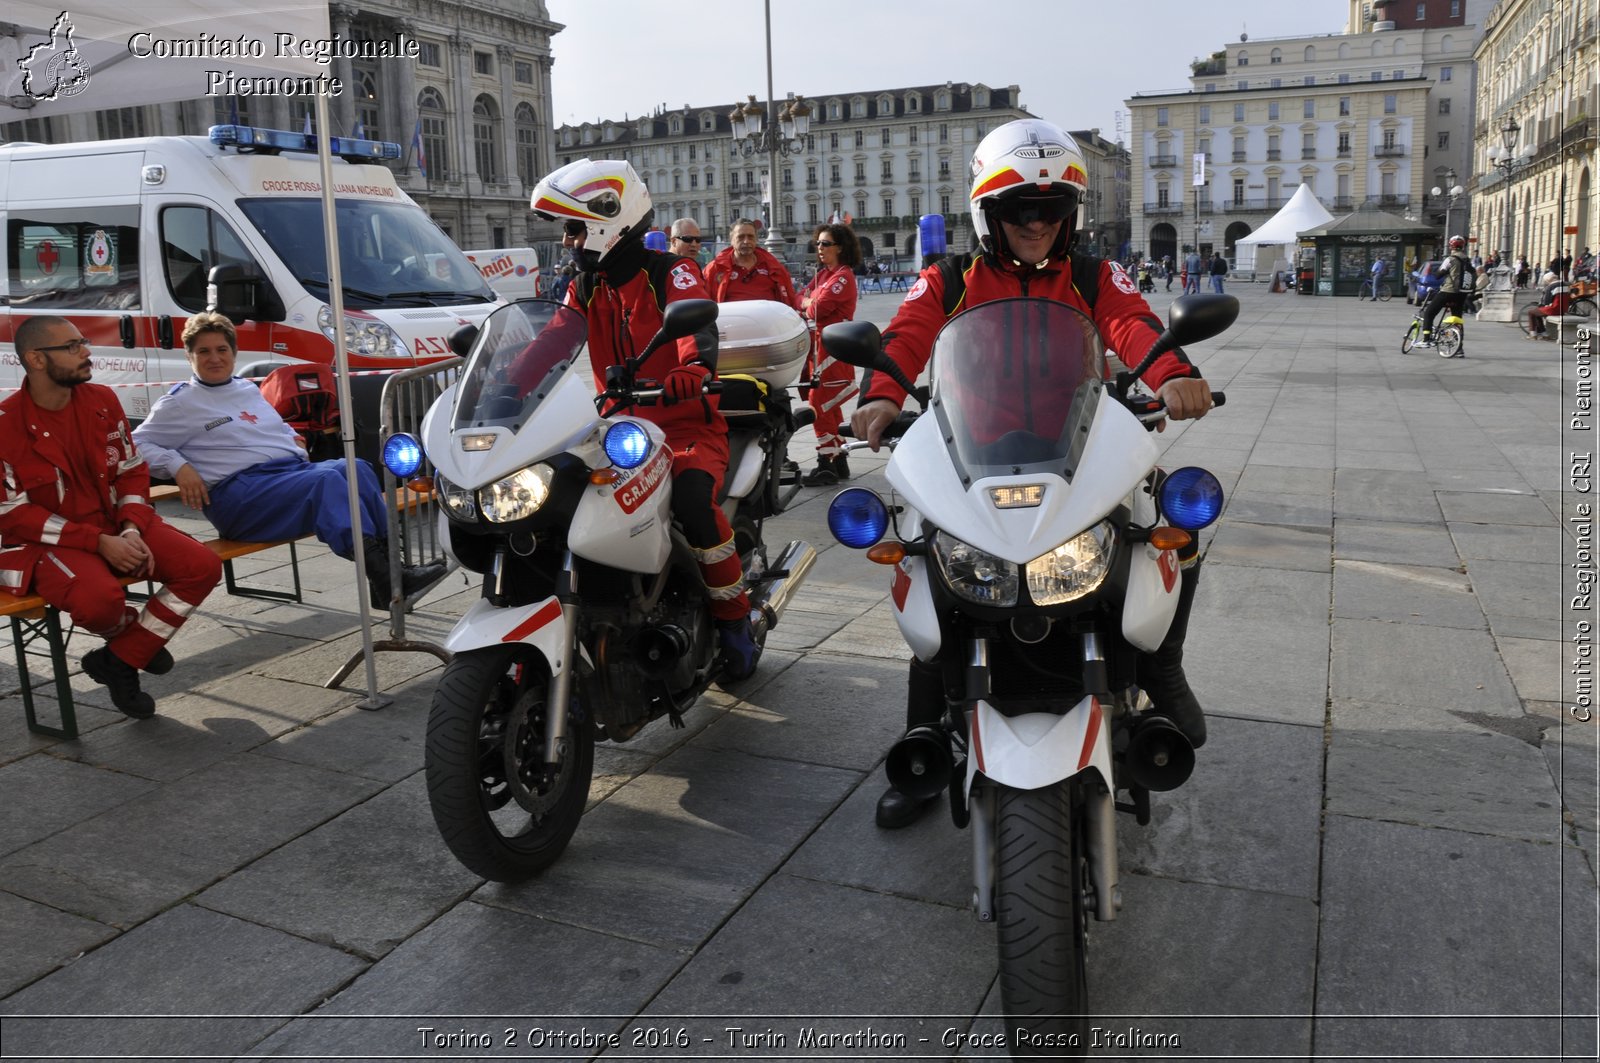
(574, 228)
(77, 346)
(687, 239)
(1025, 211)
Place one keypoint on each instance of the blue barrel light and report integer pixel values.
(857, 517)
(402, 455)
(1191, 498)
(655, 240)
(930, 227)
(627, 445)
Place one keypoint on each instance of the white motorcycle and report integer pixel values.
(1035, 555)
(594, 618)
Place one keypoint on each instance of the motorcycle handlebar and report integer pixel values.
(651, 396)
(894, 430)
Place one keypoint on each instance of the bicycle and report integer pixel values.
(1449, 335)
(1581, 305)
(1365, 292)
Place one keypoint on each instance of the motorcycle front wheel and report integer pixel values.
(1041, 875)
(484, 761)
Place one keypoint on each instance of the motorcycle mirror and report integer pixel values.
(857, 343)
(686, 318)
(462, 339)
(1199, 317)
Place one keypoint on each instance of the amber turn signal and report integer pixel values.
(1168, 538)
(422, 485)
(887, 553)
(604, 476)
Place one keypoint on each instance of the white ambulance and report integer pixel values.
(513, 272)
(121, 237)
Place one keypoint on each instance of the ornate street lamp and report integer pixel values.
(1508, 160)
(784, 134)
(1450, 191)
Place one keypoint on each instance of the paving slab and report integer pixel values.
(1381, 494)
(1444, 667)
(667, 857)
(1522, 599)
(36, 939)
(1483, 507)
(1405, 594)
(1572, 751)
(1484, 783)
(1265, 507)
(1508, 542)
(1276, 479)
(1538, 668)
(385, 745)
(1272, 546)
(485, 971)
(44, 794)
(125, 865)
(1230, 592)
(1401, 904)
(195, 966)
(363, 882)
(1399, 459)
(1373, 717)
(1394, 543)
(1223, 664)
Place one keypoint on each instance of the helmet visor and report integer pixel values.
(1023, 210)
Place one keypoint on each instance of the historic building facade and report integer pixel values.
(1541, 90)
(476, 102)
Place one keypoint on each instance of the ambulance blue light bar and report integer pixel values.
(246, 137)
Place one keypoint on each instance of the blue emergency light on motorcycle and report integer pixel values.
(627, 445)
(857, 517)
(402, 455)
(1191, 498)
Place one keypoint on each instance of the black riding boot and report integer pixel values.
(1161, 673)
(924, 705)
(412, 577)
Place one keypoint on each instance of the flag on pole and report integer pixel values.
(416, 146)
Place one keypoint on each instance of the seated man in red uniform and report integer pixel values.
(746, 270)
(621, 289)
(75, 515)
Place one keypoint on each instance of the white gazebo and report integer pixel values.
(1271, 247)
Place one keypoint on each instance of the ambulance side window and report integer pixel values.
(80, 259)
(193, 240)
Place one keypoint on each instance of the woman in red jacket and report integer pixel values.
(831, 297)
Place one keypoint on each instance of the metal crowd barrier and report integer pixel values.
(414, 523)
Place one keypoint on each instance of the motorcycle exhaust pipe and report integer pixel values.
(773, 596)
(920, 764)
(1159, 756)
(657, 650)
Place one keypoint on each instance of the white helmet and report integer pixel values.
(1026, 168)
(607, 196)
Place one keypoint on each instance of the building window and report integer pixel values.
(1309, 79)
(944, 169)
(888, 169)
(913, 134)
(1244, 59)
(883, 138)
(1275, 83)
(1444, 73)
(1344, 143)
(1272, 110)
(833, 173)
(1310, 109)
(1276, 56)
(1344, 107)
(694, 180)
(858, 109)
(811, 175)
(527, 144)
(1444, 106)
(944, 204)
(916, 171)
(1242, 86)
(711, 178)
(485, 119)
(1422, 10)
(888, 206)
(1388, 139)
(1308, 145)
(367, 105)
(427, 53)
(1390, 103)
(677, 182)
(1205, 114)
(523, 73)
(1377, 75)
(833, 116)
(788, 214)
(1238, 112)
(914, 104)
(1455, 8)
(431, 113)
(1344, 79)
(916, 204)
(482, 63)
(1161, 116)
(1163, 195)
(1399, 75)
(120, 123)
(944, 133)
(811, 213)
(1444, 140)
(1238, 190)
(861, 173)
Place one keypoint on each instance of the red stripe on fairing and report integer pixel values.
(901, 588)
(1091, 734)
(550, 613)
(1002, 179)
(977, 739)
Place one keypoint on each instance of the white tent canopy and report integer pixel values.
(1272, 244)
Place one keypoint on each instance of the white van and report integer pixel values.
(122, 236)
(513, 272)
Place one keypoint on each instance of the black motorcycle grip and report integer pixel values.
(1219, 398)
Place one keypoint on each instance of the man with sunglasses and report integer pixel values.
(1028, 179)
(746, 270)
(75, 515)
(686, 240)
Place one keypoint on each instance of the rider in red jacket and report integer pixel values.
(620, 290)
(1028, 180)
(830, 298)
(745, 270)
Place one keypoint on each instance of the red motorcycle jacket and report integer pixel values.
(830, 297)
(38, 468)
(767, 279)
(1124, 319)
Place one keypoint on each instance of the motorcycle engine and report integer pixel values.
(649, 667)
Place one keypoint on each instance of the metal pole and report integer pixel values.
(774, 240)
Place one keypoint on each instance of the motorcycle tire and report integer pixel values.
(481, 695)
(1040, 915)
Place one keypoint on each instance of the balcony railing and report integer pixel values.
(1388, 202)
(1344, 203)
(1254, 203)
(1163, 160)
(1163, 208)
(1389, 151)
(1240, 156)
(1273, 155)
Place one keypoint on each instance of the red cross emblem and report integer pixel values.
(47, 257)
(246, 416)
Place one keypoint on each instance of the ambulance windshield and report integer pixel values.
(390, 254)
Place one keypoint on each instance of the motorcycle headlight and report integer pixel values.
(1073, 569)
(363, 335)
(973, 575)
(518, 495)
(458, 501)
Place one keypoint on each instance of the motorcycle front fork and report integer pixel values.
(1096, 803)
(560, 690)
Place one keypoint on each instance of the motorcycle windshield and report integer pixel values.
(521, 354)
(1016, 383)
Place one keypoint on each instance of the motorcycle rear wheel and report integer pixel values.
(1041, 919)
(483, 696)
